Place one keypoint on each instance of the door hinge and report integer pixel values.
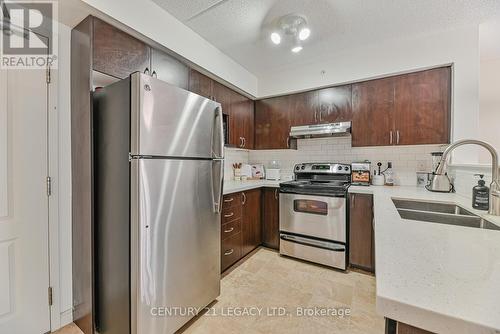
(49, 186)
(47, 74)
(50, 296)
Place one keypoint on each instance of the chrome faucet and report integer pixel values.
(440, 181)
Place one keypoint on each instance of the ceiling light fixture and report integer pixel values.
(291, 29)
(304, 33)
(276, 38)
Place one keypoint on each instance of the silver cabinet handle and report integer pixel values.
(353, 200)
(397, 137)
(276, 193)
(320, 115)
(241, 141)
(315, 116)
(244, 142)
(288, 142)
(229, 252)
(228, 200)
(244, 198)
(229, 215)
(391, 137)
(230, 230)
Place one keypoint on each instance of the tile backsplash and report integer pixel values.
(406, 160)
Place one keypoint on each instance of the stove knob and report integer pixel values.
(339, 167)
(303, 167)
(297, 167)
(346, 168)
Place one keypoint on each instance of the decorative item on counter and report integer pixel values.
(273, 171)
(237, 171)
(246, 172)
(378, 178)
(389, 175)
(423, 179)
(360, 173)
(258, 172)
(481, 195)
(436, 158)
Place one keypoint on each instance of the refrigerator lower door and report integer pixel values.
(175, 242)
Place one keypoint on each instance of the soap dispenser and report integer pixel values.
(480, 195)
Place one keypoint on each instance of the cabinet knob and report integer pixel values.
(229, 252)
(229, 215)
(230, 230)
(244, 198)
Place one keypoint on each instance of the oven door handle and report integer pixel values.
(331, 246)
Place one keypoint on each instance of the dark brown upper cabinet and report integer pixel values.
(335, 104)
(223, 95)
(422, 107)
(169, 69)
(116, 53)
(200, 84)
(272, 123)
(304, 108)
(241, 121)
(372, 113)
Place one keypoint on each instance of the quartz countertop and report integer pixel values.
(237, 186)
(442, 278)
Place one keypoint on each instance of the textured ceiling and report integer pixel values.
(240, 28)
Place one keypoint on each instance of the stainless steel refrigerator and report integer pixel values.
(158, 171)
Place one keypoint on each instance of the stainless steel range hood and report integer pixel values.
(321, 130)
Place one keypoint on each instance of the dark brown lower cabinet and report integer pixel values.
(241, 230)
(250, 220)
(361, 241)
(270, 218)
(230, 250)
(395, 327)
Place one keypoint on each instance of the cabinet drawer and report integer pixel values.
(231, 200)
(230, 214)
(229, 229)
(230, 251)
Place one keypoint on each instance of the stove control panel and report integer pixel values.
(322, 168)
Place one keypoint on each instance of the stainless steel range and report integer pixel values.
(313, 213)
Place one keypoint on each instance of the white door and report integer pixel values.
(24, 258)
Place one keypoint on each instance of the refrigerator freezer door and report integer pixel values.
(168, 121)
(175, 237)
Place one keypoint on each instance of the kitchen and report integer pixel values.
(279, 166)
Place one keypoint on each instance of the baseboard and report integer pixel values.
(66, 317)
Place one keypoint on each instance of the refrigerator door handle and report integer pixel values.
(217, 183)
(218, 137)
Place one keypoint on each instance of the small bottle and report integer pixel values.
(480, 195)
(389, 175)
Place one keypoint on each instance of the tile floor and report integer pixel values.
(271, 282)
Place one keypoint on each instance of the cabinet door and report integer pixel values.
(270, 218)
(250, 221)
(422, 107)
(372, 113)
(200, 84)
(272, 123)
(169, 69)
(223, 95)
(116, 53)
(304, 108)
(335, 104)
(361, 253)
(241, 121)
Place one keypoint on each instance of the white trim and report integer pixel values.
(66, 317)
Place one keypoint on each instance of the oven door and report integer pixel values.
(318, 216)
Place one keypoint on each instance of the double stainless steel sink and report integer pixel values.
(442, 213)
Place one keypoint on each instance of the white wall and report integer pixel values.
(489, 106)
(64, 178)
(460, 47)
(154, 22)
